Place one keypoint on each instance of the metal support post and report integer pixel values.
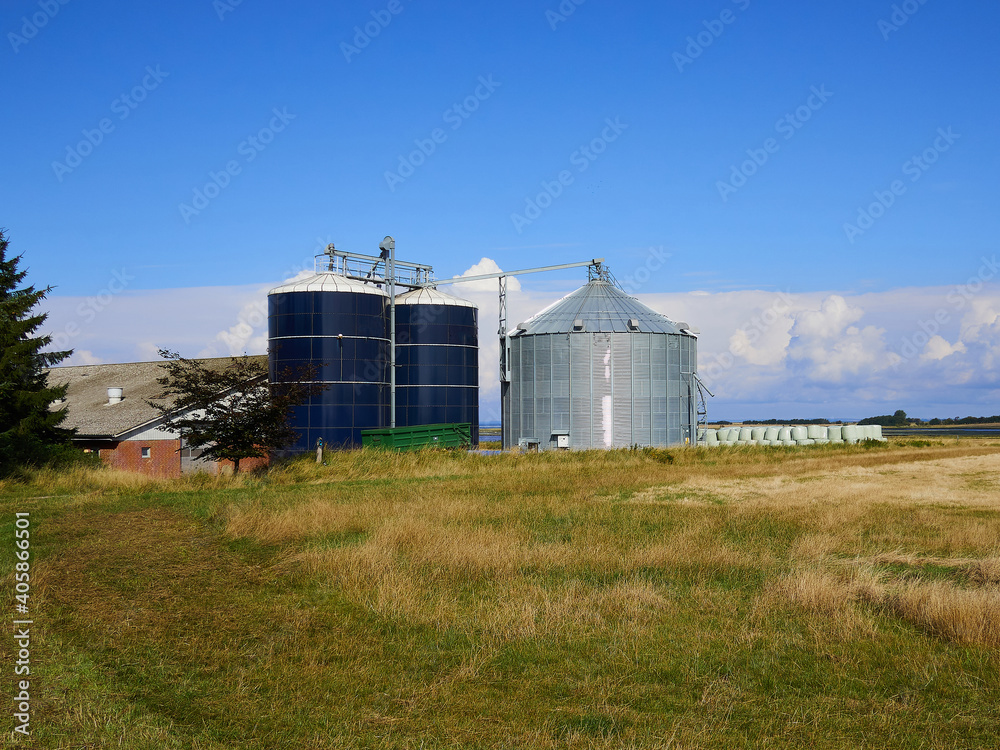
(392, 333)
(388, 248)
(502, 330)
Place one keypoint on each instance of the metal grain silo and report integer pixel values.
(437, 360)
(338, 325)
(599, 369)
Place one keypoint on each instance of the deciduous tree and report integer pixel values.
(230, 411)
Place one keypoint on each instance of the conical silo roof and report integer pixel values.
(327, 281)
(429, 296)
(598, 307)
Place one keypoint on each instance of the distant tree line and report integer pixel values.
(776, 421)
(966, 420)
(899, 419)
(786, 421)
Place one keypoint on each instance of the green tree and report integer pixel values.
(29, 429)
(231, 412)
(898, 419)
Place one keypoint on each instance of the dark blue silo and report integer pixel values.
(338, 325)
(437, 360)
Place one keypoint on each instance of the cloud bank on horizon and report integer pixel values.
(932, 351)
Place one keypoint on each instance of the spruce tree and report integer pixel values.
(28, 427)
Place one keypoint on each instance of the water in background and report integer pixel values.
(956, 431)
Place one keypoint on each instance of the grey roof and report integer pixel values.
(87, 396)
(600, 307)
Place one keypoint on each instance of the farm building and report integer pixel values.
(107, 407)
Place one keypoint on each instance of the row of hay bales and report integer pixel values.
(798, 435)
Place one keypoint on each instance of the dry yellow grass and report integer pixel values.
(415, 556)
(970, 616)
(744, 598)
(104, 481)
(414, 572)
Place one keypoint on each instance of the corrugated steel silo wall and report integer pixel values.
(437, 365)
(603, 389)
(304, 328)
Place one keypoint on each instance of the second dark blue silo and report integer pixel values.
(437, 360)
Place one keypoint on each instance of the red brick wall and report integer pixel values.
(163, 461)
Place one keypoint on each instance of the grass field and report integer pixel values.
(820, 597)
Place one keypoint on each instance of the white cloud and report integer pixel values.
(764, 354)
(247, 336)
(835, 356)
(133, 325)
(147, 351)
(938, 348)
(767, 348)
(829, 321)
(82, 357)
(483, 267)
(980, 323)
(765, 338)
(829, 348)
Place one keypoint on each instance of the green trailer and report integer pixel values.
(423, 436)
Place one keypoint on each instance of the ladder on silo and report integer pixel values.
(702, 410)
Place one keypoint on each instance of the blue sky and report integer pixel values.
(746, 135)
